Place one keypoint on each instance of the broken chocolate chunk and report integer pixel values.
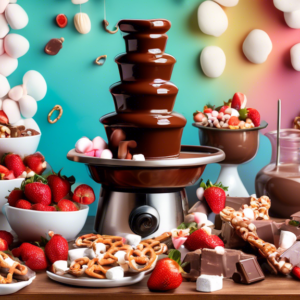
(293, 254)
(54, 46)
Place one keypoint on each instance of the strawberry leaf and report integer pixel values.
(192, 226)
(209, 184)
(228, 103)
(182, 226)
(175, 255)
(35, 178)
(294, 223)
(183, 265)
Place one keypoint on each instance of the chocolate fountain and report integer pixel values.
(145, 197)
(240, 146)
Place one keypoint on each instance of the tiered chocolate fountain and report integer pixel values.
(145, 197)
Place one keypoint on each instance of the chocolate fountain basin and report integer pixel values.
(151, 174)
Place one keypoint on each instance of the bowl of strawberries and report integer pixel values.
(44, 203)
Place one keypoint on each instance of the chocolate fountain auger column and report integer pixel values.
(145, 197)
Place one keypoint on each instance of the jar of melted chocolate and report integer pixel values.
(282, 184)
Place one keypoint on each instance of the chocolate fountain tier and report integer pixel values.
(154, 26)
(155, 97)
(145, 66)
(157, 136)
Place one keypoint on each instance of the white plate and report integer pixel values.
(101, 283)
(6, 289)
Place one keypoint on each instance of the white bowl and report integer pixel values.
(5, 187)
(30, 225)
(6, 289)
(22, 145)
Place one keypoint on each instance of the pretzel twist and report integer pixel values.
(77, 268)
(18, 269)
(95, 269)
(87, 240)
(138, 257)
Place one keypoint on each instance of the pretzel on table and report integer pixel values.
(146, 257)
(86, 240)
(77, 267)
(96, 270)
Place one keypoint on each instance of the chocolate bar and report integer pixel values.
(237, 202)
(230, 238)
(293, 254)
(248, 271)
(26, 277)
(193, 267)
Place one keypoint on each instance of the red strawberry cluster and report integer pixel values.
(13, 166)
(6, 240)
(232, 115)
(37, 259)
(50, 194)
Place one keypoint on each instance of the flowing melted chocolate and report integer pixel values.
(144, 99)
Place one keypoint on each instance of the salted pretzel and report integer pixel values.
(87, 240)
(19, 269)
(11, 271)
(96, 270)
(146, 257)
(156, 244)
(78, 266)
(247, 231)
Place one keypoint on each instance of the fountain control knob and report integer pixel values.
(144, 220)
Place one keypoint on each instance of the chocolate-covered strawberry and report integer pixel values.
(60, 186)
(36, 162)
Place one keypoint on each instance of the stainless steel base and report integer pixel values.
(146, 213)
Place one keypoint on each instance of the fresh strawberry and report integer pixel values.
(239, 101)
(3, 245)
(60, 186)
(207, 110)
(84, 194)
(36, 190)
(233, 121)
(254, 115)
(23, 204)
(3, 118)
(36, 162)
(199, 116)
(6, 174)
(200, 239)
(223, 108)
(42, 207)
(167, 273)
(7, 236)
(296, 272)
(14, 196)
(33, 256)
(14, 163)
(66, 205)
(9, 176)
(215, 195)
(57, 248)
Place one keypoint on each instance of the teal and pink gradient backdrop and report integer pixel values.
(82, 88)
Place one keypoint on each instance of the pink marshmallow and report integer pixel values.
(178, 242)
(99, 143)
(3, 5)
(84, 145)
(16, 93)
(200, 218)
(98, 153)
(90, 153)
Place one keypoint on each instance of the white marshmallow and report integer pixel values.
(100, 249)
(3, 5)
(9, 261)
(295, 57)
(133, 239)
(125, 267)
(106, 154)
(207, 229)
(200, 193)
(16, 93)
(76, 253)
(115, 273)
(4, 29)
(30, 123)
(16, 45)
(248, 212)
(121, 257)
(11, 108)
(234, 112)
(84, 145)
(257, 46)
(208, 283)
(1, 46)
(7, 64)
(16, 16)
(35, 85)
(60, 267)
(28, 106)
(213, 61)
(220, 250)
(138, 157)
(287, 239)
(89, 252)
(212, 19)
(228, 3)
(287, 5)
(79, 1)
(292, 19)
(4, 86)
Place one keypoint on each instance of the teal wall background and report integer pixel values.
(82, 88)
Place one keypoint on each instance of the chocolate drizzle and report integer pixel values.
(144, 99)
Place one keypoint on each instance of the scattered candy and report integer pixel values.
(257, 46)
(84, 145)
(35, 85)
(228, 3)
(82, 23)
(16, 16)
(28, 106)
(287, 5)
(209, 283)
(54, 46)
(292, 19)
(213, 61)
(4, 29)
(61, 20)
(212, 19)
(295, 56)
(16, 45)
(100, 60)
(59, 109)
(7, 65)
(4, 86)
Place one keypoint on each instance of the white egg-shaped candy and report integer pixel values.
(7, 64)
(12, 110)
(4, 29)
(213, 61)
(16, 93)
(35, 85)
(295, 57)
(228, 3)
(12, 1)
(3, 5)
(79, 1)
(28, 106)
(257, 46)
(4, 86)
(287, 5)
(30, 123)
(82, 23)
(15, 45)
(212, 19)
(1, 46)
(292, 19)
(16, 16)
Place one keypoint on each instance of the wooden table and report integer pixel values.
(274, 287)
